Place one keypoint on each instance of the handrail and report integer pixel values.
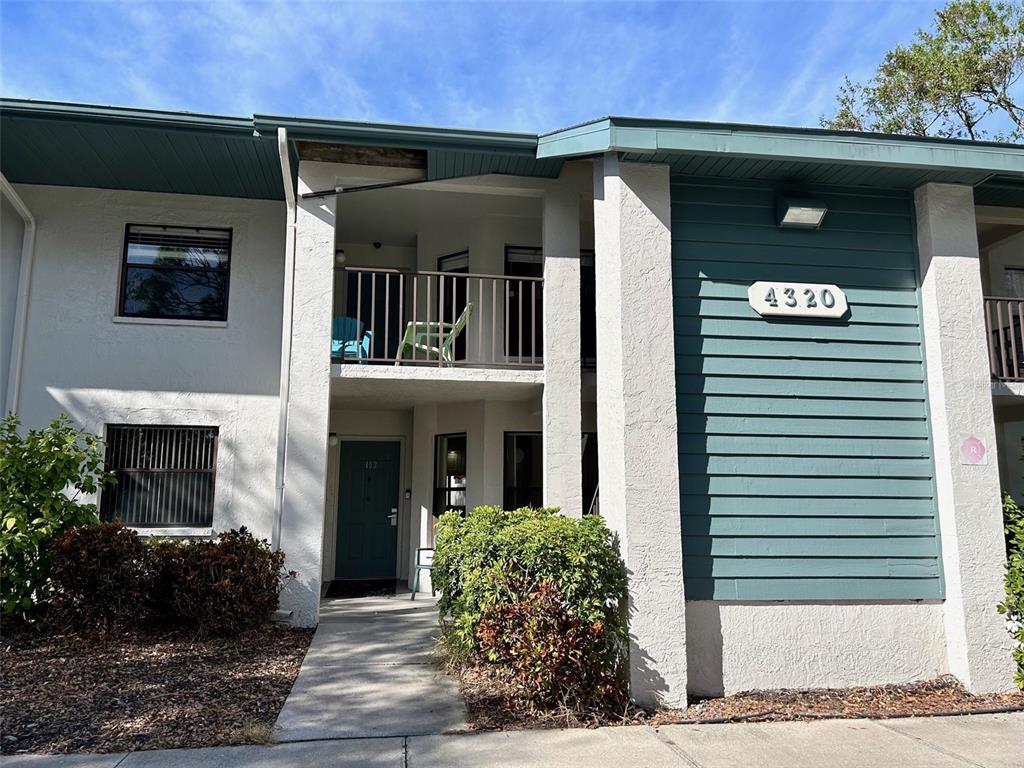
(425, 272)
(1004, 330)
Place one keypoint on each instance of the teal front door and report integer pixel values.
(367, 510)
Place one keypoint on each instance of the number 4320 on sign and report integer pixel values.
(810, 300)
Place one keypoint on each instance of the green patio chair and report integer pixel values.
(430, 341)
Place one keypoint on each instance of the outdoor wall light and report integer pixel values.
(339, 256)
(799, 213)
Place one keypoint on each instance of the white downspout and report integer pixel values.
(28, 248)
(286, 335)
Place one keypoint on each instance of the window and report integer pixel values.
(1014, 281)
(450, 473)
(175, 273)
(165, 476)
(524, 477)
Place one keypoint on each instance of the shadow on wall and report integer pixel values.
(642, 674)
(244, 491)
(704, 644)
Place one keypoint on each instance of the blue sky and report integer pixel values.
(513, 66)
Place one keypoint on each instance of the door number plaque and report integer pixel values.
(810, 300)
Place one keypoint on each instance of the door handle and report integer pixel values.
(393, 517)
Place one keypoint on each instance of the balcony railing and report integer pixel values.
(445, 319)
(1004, 319)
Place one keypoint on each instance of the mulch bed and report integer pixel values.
(146, 690)
(942, 696)
(488, 705)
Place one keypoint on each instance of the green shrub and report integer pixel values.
(101, 576)
(1013, 606)
(223, 586)
(509, 578)
(546, 655)
(41, 477)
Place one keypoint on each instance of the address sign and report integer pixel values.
(810, 300)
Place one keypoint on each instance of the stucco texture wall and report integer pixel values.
(734, 647)
(80, 360)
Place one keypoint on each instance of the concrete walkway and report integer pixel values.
(369, 673)
(979, 741)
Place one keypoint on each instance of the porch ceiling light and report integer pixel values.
(799, 213)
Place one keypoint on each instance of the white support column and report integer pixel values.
(302, 519)
(960, 400)
(562, 435)
(424, 431)
(636, 416)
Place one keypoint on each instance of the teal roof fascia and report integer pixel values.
(615, 134)
(194, 121)
(393, 135)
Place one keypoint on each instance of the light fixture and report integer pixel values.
(799, 213)
(339, 256)
(332, 440)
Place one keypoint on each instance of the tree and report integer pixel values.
(948, 81)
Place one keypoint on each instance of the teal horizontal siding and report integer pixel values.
(699, 287)
(805, 459)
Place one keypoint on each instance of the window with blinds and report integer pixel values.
(165, 475)
(175, 273)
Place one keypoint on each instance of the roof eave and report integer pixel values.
(49, 110)
(391, 135)
(649, 137)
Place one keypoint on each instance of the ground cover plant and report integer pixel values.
(536, 602)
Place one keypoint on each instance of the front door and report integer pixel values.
(367, 510)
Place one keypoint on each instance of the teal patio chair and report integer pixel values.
(348, 339)
(430, 341)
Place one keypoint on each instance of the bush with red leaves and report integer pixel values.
(547, 656)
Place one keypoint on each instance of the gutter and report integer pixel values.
(28, 247)
(287, 323)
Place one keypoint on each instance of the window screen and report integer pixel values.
(175, 273)
(165, 475)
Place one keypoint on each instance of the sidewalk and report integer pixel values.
(369, 672)
(978, 741)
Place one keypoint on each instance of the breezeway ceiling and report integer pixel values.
(396, 216)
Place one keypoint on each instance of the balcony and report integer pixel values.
(1004, 320)
(440, 319)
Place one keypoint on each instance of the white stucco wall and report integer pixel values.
(80, 360)
(995, 260)
(12, 228)
(734, 647)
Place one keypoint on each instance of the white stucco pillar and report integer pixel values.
(562, 431)
(302, 518)
(424, 431)
(960, 400)
(636, 416)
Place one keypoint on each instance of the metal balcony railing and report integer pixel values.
(445, 319)
(1004, 320)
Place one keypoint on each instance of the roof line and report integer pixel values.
(155, 117)
(654, 123)
(324, 129)
(667, 137)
